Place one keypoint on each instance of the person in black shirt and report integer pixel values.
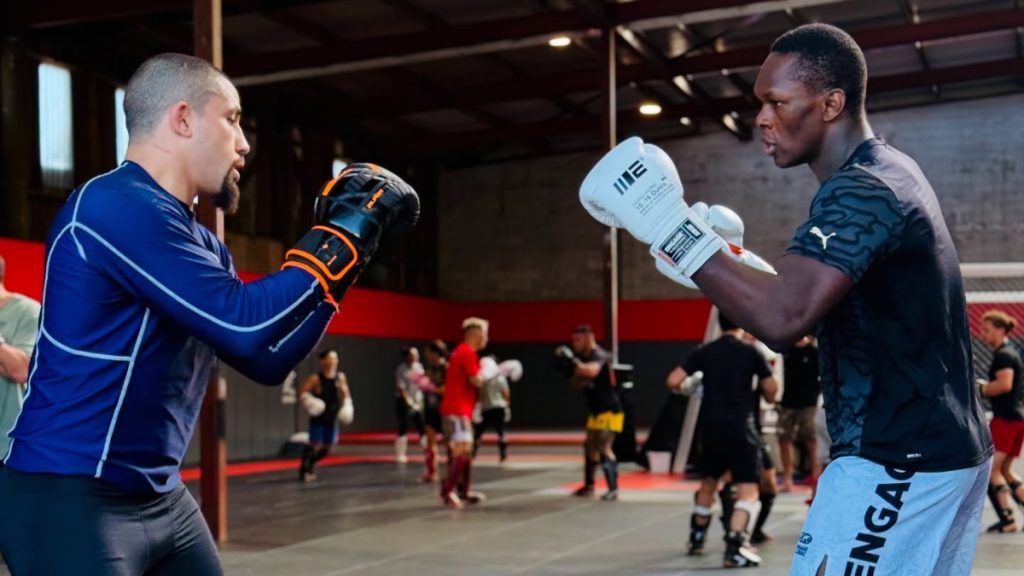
(729, 439)
(1005, 388)
(435, 365)
(322, 395)
(800, 392)
(588, 367)
(874, 273)
(767, 490)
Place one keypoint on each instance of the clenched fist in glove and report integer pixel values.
(566, 361)
(636, 187)
(354, 213)
(511, 369)
(312, 405)
(729, 226)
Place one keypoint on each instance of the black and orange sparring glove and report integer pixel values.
(354, 212)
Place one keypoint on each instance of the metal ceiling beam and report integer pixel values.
(424, 17)
(626, 121)
(646, 50)
(965, 73)
(323, 35)
(911, 15)
(434, 22)
(289, 20)
(49, 13)
(543, 86)
(630, 120)
(736, 80)
(476, 38)
(867, 39)
(56, 13)
(644, 13)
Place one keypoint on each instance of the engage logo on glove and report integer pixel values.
(675, 247)
(635, 170)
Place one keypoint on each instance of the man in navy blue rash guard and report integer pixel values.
(138, 301)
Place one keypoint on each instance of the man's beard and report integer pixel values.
(227, 198)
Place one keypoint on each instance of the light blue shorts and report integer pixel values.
(870, 520)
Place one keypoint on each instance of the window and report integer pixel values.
(55, 147)
(337, 166)
(120, 127)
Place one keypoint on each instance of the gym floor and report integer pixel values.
(366, 515)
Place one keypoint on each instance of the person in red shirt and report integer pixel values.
(462, 381)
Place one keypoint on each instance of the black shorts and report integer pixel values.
(432, 417)
(79, 525)
(403, 414)
(734, 447)
(766, 456)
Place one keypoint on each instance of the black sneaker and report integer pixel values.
(759, 537)
(696, 545)
(1003, 526)
(739, 554)
(473, 497)
(451, 500)
(585, 490)
(744, 557)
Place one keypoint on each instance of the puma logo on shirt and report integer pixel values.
(824, 239)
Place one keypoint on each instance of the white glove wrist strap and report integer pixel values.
(685, 245)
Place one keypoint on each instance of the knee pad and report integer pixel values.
(750, 507)
(700, 512)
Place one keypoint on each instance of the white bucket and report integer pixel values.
(659, 462)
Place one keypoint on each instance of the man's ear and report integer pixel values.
(180, 119)
(833, 104)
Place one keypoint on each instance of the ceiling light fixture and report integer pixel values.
(559, 41)
(650, 109)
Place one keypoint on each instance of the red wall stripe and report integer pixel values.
(531, 321)
(661, 320)
(25, 261)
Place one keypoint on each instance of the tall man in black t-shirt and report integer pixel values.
(874, 273)
(1005, 388)
(588, 367)
(800, 392)
(729, 438)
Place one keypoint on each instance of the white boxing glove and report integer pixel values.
(347, 413)
(511, 369)
(729, 226)
(691, 382)
(312, 405)
(424, 383)
(488, 368)
(635, 186)
(726, 223)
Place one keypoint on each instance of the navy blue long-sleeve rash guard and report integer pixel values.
(138, 299)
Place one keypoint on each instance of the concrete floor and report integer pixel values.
(374, 518)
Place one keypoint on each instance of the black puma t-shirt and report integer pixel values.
(895, 353)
